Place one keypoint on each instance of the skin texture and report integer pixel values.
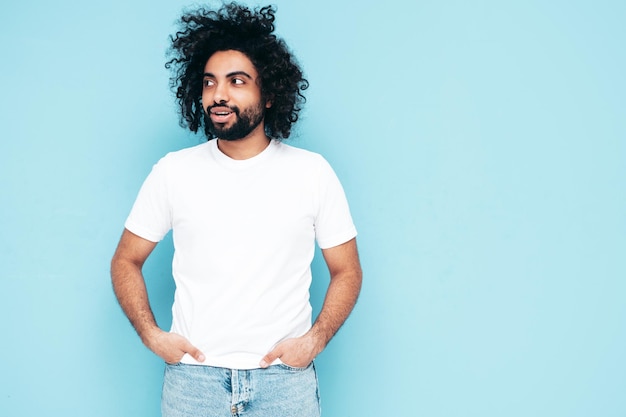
(231, 81)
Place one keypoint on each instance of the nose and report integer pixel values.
(220, 93)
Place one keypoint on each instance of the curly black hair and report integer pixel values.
(234, 27)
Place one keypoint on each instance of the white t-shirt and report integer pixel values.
(244, 236)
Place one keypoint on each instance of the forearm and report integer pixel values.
(340, 299)
(130, 289)
(343, 291)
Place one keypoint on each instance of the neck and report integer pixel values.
(246, 147)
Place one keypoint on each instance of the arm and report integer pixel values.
(130, 289)
(343, 291)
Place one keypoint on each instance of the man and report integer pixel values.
(245, 210)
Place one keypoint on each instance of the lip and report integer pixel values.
(221, 114)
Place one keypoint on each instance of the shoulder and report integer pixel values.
(300, 156)
(185, 157)
(187, 154)
(181, 163)
(305, 166)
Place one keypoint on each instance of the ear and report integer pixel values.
(268, 104)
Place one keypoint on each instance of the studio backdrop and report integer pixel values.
(482, 147)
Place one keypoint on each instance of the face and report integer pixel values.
(231, 96)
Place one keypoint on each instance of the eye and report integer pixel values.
(238, 81)
(207, 83)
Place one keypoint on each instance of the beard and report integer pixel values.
(245, 122)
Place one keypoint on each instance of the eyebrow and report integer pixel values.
(230, 74)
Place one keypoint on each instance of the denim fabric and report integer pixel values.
(277, 391)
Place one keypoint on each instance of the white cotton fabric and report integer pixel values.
(244, 235)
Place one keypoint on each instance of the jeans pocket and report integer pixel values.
(294, 368)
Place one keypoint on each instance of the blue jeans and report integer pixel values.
(277, 391)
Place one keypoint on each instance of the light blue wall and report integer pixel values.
(482, 145)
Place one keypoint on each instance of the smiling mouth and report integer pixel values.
(221, 110)
(221, 114)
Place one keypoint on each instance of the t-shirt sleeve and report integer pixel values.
(150, 217)
(333, 224)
